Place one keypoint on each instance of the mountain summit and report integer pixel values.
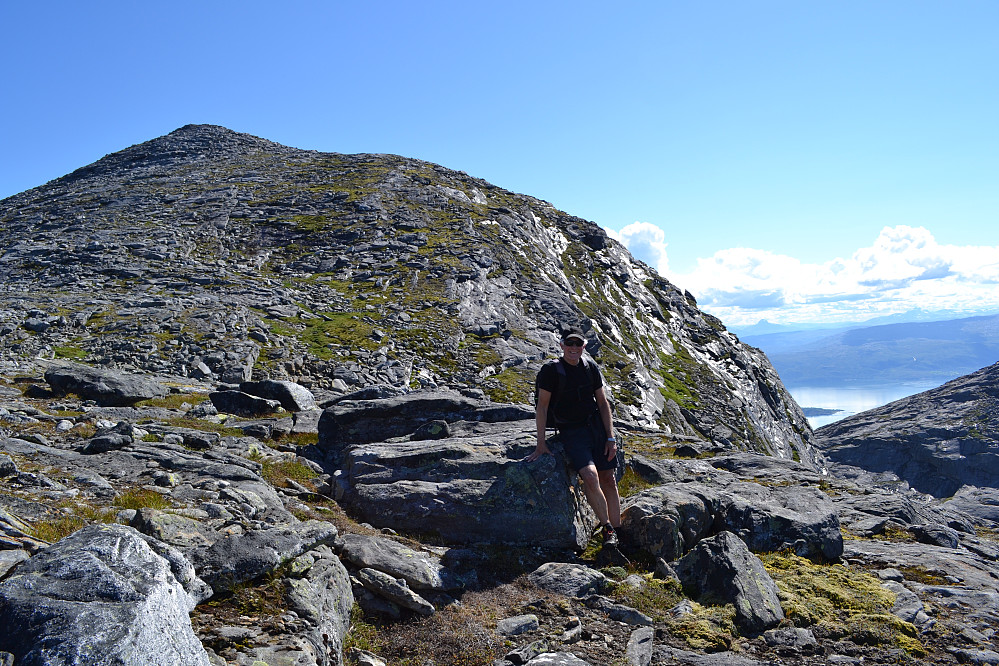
(212, 254)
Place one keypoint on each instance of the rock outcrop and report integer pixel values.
(102, 595)
(935, 442)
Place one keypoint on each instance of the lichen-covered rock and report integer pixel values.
(101, 595)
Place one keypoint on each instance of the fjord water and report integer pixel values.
(851, 399)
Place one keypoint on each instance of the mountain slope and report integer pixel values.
(211, 254)
(936, 441)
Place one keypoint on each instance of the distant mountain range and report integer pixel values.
(898, 353)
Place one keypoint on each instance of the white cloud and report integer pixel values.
(647, 242)
(903, 269)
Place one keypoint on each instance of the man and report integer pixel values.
(583, 418)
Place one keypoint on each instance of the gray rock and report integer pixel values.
(306, 421)
(557, 659)
(937, 441)
(937, 535)
(101, 595)
(420, 569)
(105, 387)
(791, 637)
(474, 487)
(907, 605)
(11, 558)
(323, 597)
(571, 580)
(520, 624)
(677, 657)
(243, 404)
(640, 647)
(775, 518)
(178, 531)
(721, 569)
(293, 397)
(365, 421)
(7, 466)
(395, 590)
(618, 612)
(236, 559)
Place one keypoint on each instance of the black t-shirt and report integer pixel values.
(577, 403)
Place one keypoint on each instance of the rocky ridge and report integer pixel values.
(297, 437)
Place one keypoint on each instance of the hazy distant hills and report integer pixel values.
(910, 352)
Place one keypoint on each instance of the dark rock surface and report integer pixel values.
(721, 569)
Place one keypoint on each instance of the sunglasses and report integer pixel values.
(573, 342)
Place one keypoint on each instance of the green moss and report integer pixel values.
(511, 385)
(674, 369)
(74, 515)
(208, 426)
(707, 628)
(175, 400)
(847, 603)
(654, 598)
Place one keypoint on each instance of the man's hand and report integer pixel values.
(541, 450)
(611, 449)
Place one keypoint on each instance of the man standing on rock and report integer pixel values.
(573, 387)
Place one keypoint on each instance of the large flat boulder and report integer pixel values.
(102, 595)
(670, 519)
(365, 421)
(469, 488)
(108, 388)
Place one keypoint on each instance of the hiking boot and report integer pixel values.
(609, 535)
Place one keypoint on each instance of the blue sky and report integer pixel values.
(787, 160)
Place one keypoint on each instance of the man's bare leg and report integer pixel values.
(608, 487)
(592, 488)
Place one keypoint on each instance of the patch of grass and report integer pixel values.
(454, 635)
(895, 534)
(141, 498)
(299, 438)
(632, 484)
(54, 529)
(924, 576)
(510, 385)
(175, 400)
(70, 352)
(208, 426)
(277, 473)
(74, 516)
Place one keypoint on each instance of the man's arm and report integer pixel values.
(541, 420)
(603, 406)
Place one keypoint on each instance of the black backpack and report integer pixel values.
(591, 369)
